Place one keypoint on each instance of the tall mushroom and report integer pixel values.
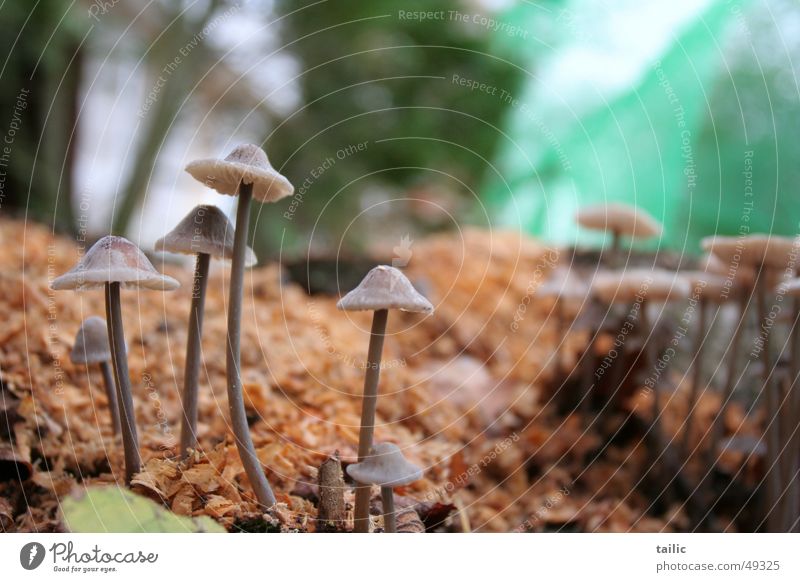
(91, 347)
(739, 281)
(383, 288)
(619, 220)
(640, 287)
(387, 467)
(114, 262)
(205, 232)
(771, 256)
(245, 173)
(706, 288)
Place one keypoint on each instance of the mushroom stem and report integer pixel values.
(116, 337)
(794, 421)
(111, 394)
(368, 406)
(389, 518)
(241, 431)
(771, 477)
(191, 374)
(717, 425)
(697, 375)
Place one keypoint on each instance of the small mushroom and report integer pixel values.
(770, 256)
(619, 220)
(245, 173)
(92, 347)
(205, 232)
(387, 467)
(114, 262)
(382, 289)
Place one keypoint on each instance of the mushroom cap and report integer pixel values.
(741, 275)
(385, 287)
(620, 218)
(385, 466)
(790, 287)
(114, 259)
(708, 285)
(774, 252)
(650, 284)
(247, 164)
(91, 342)
(562, 284)
(205, 230)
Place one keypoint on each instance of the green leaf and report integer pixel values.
(115, 510)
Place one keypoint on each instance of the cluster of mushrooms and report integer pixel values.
(761, 268)
(115, 263)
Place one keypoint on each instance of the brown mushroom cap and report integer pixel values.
(386, 466)
(620, 218)
(114, 259)
(649, 284)
(205, 230)
(385, 287)
(775, 252)
(247, 164)
(91, 342)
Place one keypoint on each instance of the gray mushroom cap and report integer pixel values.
(620, 218)
(246, 164)
(386, 466)
(204, 230)
(385, 287)
(91, 342)
(114, 259)
(564, 284)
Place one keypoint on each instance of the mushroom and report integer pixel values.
(620, 220)
(382, 289)
(706, 288)
(92, 347)
(739, 282)
(790, 419)
(387, 467)
(114, 262)
(205, 232)
(769, 256)
(246, 172)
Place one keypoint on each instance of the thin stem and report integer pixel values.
(697, 375)
(389, 518)
(127, 414)
(718, 423)
(771, 474)
(191, 374)
(368, 406)
(111, 394)
(241, 431)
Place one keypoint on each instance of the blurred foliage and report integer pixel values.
(704, 138)
(40, 79)
(372, 76)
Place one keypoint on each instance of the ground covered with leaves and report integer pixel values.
(467, 393)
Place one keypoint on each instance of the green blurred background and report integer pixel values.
(399, 118)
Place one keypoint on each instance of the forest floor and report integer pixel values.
(466, 393)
